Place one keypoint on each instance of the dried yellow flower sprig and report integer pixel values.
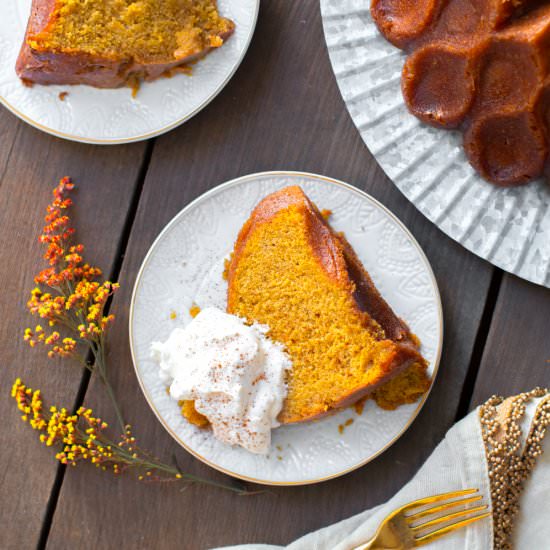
(73, 302)
(81, 437)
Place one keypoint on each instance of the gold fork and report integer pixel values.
(402, 530)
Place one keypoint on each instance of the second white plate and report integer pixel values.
(99, 116)
(184, 266)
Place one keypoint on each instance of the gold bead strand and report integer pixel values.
(508, 466)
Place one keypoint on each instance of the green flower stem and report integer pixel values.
(111, 394)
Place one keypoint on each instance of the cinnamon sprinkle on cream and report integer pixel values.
(230, 372)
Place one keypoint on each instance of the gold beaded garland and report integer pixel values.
(508, 465)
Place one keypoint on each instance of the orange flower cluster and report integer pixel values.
(75, 301)
(63, 347)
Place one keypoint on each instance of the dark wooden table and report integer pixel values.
(282, 110)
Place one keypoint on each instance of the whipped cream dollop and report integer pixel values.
(233, 372)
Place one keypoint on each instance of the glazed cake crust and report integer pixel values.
(481, 67)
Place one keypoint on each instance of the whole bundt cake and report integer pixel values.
(481, 66)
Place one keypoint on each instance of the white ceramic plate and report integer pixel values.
(184, 266)
(91, 115)
(508, 227)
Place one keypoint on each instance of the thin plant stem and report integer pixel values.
(100, 365)
(112, 397)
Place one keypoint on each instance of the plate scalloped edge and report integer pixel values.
(109, 117)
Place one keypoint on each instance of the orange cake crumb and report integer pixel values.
(326, 213)
(360, 405)
(188, 411)
(194, 310)
(343, 426)
(226, 264)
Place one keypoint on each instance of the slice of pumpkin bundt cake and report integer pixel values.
(291, 271)
(112, 43)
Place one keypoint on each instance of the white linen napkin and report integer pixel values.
(459, 462)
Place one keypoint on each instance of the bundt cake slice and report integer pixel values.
(292, 272)
(111, 43)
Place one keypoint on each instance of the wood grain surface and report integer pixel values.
(517, 355)
(282, 110)
(106, 178)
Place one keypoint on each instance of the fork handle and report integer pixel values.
(380, 542)
(373, 544)
(369, 545)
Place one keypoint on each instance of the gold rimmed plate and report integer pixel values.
(184, 266)
(106, 117)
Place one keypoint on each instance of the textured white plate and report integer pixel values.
(91, 115)
(185, 264)
(508, 227)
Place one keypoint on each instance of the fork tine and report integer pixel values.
(448, 517)
(420, 541)
(436, 498)
(441, 507)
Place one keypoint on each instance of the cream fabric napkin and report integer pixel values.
(459, 462)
